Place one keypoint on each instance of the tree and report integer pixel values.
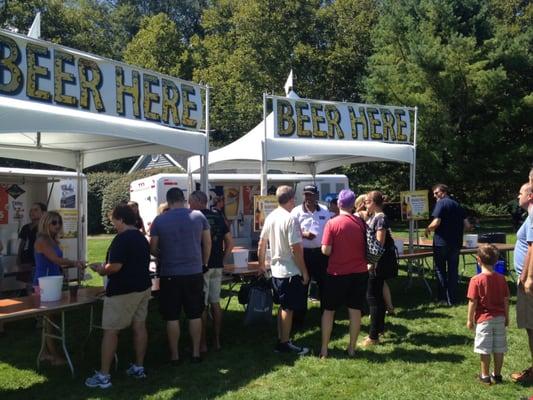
(157, 46)
(465, 64)
(250, 46)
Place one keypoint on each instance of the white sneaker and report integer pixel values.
(98, 380)
(300, 350)
(136, 371)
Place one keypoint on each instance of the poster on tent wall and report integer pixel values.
(248, 193)
(12, 203)
(231, 201)
(36, 70)
(263, 206)
(308, 119)
(414, 205)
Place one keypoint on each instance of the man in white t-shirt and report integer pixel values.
(312, 217)
(289, 274)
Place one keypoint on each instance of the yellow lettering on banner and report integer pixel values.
(188, 106)
(388, 124)
(36, 71)
(150, 97)
(374, 123)
(400, 125)
(333, 118)
(317, 120)
(61, 78)
(301, 119)
(92, 85)
(285, 118)
(358, 120)
(123, 90)
(14, 86)
(171, 100)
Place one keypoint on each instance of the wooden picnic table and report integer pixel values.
(18, 308)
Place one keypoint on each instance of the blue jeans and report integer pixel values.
(446, 260)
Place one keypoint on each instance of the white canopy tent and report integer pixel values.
(67, 108)
(261, 151)
(77, 139)
(296, 155)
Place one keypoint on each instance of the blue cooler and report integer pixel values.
(499, 267)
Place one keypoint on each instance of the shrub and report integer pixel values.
(96, 184)
(489, 210)
(119, 190)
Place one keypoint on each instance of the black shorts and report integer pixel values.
(348, 290)
(177, 292)
(290, 293)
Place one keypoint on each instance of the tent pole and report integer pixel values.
(412, 182)
(264, 166)
(205, 157)
(81, 214)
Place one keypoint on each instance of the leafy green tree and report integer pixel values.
(157, 46)
(465, 64)
(185, 13)
(249, 47)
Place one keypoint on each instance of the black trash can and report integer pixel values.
(492, 237)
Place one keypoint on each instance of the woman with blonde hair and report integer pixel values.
(49, 261)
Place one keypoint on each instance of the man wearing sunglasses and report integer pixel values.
(449, 222)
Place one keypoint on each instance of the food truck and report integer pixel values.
(19, 189)
(238, 191)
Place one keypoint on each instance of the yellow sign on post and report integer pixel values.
(263, 206)
(414, 205)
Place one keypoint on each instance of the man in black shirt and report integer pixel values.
(449, 222)
(222, 243)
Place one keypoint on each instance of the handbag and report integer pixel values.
(260, 302)
(388, 266)
(374, 249)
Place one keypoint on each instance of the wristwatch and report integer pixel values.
(205, 268)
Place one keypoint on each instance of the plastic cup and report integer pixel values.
(73, 289)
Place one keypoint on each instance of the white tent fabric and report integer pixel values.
(309, 156)
(77, 139)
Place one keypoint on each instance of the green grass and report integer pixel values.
(427, 354)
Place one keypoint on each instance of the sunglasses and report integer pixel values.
(56, 222)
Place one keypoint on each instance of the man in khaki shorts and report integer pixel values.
(221, 245)
(128, 292)
(523, 263)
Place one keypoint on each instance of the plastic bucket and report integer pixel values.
(240, 258)
(471, 240)
(399, 245)
(50, 287)
(500, 268)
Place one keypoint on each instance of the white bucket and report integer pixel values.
(471, 240)
(399, 245)
(240, 258)
(50, 287)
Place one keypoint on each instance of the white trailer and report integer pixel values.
(19, 189)
(238, 191)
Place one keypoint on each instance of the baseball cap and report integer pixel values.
(346, 198)
(310, 189)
